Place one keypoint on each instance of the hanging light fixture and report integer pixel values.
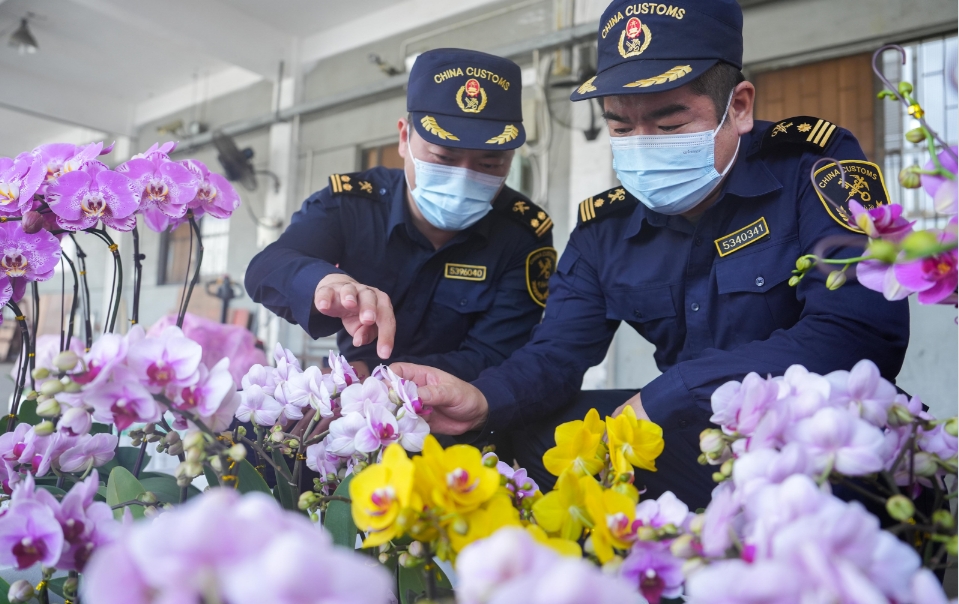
(23, 40)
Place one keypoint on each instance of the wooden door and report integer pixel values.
(842, 91)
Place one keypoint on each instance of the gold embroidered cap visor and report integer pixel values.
(645, 47)
(468, 132)
(640, 77)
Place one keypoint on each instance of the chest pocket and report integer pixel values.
(759, 271)
(465, 296)
(640, 304)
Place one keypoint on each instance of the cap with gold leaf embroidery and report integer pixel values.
(652, 47)
(466, 99)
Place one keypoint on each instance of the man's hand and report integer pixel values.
(456, 406)
(367, 313)
(636, 402)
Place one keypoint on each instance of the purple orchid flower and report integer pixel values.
(26, 257)
(214, 194)
(341, 371)
(413, 431)
(75, 421)
(284, 356)
(881, 277)
(89, 452)
(943, 190)
(109, 351)
(82, 198)
(122, 401)
(29, 531)
(356, 397)
(258, 407)
(883, 221)
(864, 391)
(380, 429)
(19, 180)
(166, 188)
(260, 375)
(212, 388)
(836, 438)
(6, 293)
(322, 461)
(57, 159)
(739, 407)
(667, 509)
(935, 278)
(656, 572)
(39, 452)
(168, 361)
(86, 524)
(341, 440)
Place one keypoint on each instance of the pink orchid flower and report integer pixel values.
(166, 188)
(212, 388)
(89, 452)
(380, 430)
(75, 421)
(26, 257)
(108, 352)
(355, 397)
(19, 180)
(168, 361)
(30, 533)
(342, 372)
(883, 221)
(657, 513)
(258, 407)
(57, 159)
(86, 524)
(943, 190)
(656, 572)
(835, 438)
(864, 391)
(214, 194)
(881, 277)
(341, 440)
(82, 198)
(935, 278)
(122, 401)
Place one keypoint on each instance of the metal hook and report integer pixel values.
(895, 91)
(842, 176)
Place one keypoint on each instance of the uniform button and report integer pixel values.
(760, 282)
(698, 241)
(694, 306)
(638, 313)
(683, 423)
(382, 191)
(464, 302)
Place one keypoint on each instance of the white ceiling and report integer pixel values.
(106, 65)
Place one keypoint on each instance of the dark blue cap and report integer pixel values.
(651, 47)
(466, 99)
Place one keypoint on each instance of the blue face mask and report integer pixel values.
(669, 173)
(452, 198)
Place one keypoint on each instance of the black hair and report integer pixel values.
(718, 83)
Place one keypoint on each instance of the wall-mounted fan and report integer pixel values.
(236, 162)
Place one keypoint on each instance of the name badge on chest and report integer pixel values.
(737, 240)
(466, 272)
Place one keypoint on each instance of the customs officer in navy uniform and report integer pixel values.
(439, 263)
(694, 250)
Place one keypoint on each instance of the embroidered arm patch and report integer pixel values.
(540, 266)
(864, 184)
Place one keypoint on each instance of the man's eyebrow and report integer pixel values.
(666, 111)
(610, 116)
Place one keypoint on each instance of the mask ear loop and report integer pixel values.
(726, 112)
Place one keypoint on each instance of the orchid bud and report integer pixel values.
(236, 452)
(900, 508)
(193, 440)
(882, 250)
(417, 549)
(32, 222)
(147, 497)
(951, 427)
(240, 432)
(588, 546)
(490, 460)
(702, 459)
(909, 178)
(307, 500)
(718, 477)
(66, 360)
(407, 561)
(835, 280)
(154, 438)
(460, 526)
(277, 437)
(150, 512)
(899, 416)
(215, 463)
(20, 591)
(174, 449)
(150, 429)
(692, 565)
(804, 263)
(646, 533)
(171, 437)
(612, 566)
(48, 408)
(944, 519)
(920, 244)
(711, 442)
(44, 428)
(682, 547)
(905, 88)
(696, 523)
(794, 280)
(31, 395)
(952, 547)
(314, 517)
(924, 464)
(71, 386)
(51, 388)
(70, 587)
(916, 135)
(384, 558)
(727, 468)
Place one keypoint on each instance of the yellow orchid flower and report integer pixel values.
(633, 442)
(560, 546)
(483, 522)
(454, 479)
(578, 446)
(379, 493)
(613, 518)
(562, 512)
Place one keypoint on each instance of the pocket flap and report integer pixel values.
(464, 296)
(640, 304)
(757, 271)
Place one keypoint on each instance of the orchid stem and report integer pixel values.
(87, 323)
(26, 352)
(68, 336)
(196, 272)
(139, 462)
(285, 472)
(300, 455)
(137, 276)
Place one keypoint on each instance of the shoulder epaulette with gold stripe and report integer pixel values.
(605, 203)
(811, 133)
(530, 215)
(353, 184)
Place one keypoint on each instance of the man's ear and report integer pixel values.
(742, 105)
(403, 126)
